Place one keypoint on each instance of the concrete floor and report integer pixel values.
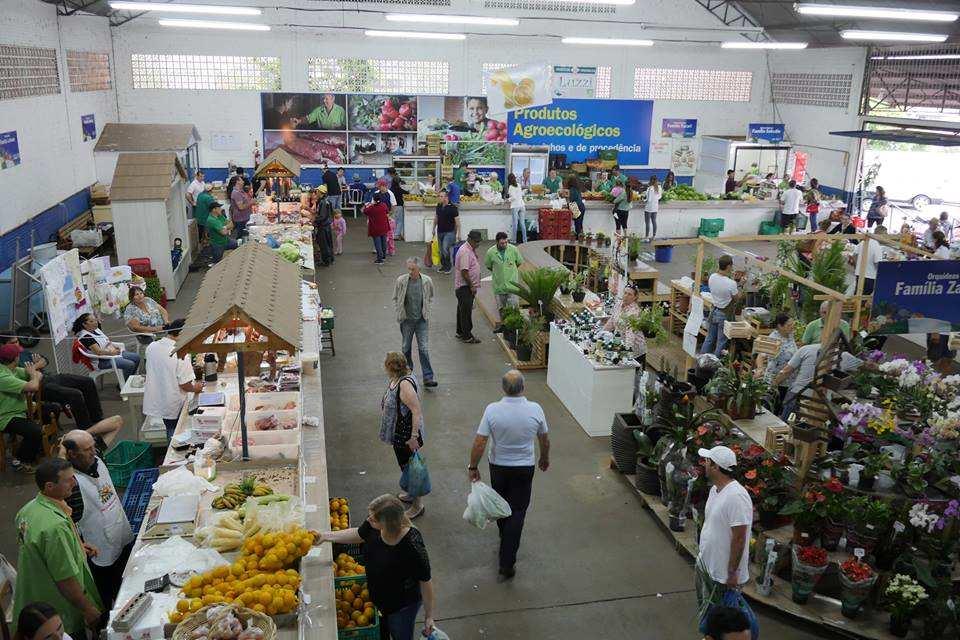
(592, 562)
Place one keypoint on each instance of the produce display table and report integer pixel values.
(591, 392)
(301, 235)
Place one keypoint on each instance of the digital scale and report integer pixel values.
(173, 516)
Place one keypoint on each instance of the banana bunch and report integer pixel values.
(236, 493)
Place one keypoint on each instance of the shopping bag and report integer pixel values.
(802, 220)
(436, 634)
(435, 250)
(484, 505)
(415, 479)
(574, 209)
(735, 600)
(428, 256)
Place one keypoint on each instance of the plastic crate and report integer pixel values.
(352, 549)
(711, 225)
(138, 495)
(769, 228)
(140, 266)
(370, 632)
(327, 323)
(125, 458)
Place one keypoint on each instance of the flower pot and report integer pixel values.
(647, 480)
(854, 594)
(865, 483)
(524, 352)
(623, 446)
(830, 534)
(510, 335)
(899, 625)
(863, 539)
(804, 578)
(678, 475)
(578, 296)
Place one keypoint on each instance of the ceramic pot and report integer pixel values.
(899, 625)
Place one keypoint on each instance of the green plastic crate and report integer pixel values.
(370, 632)
(711, 225)
(125, 458)
(769, 228)
(327, 323)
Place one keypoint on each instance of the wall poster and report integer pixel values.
(88, 124)
(64, 293)
(9, 150)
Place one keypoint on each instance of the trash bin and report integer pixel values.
(663, 253)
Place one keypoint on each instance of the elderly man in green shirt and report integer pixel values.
(52, 563)
(219, 228)
(329, 115)
(503, 260)
(552, 182)
(814, 329)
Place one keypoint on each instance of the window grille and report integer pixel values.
(89, 71)
(553, 6)
(692, 84)
(814, 89)
(28, 71)
(237, 73)
(367, 75)
(912, 82)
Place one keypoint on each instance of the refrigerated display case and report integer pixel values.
(413, 170)
(720, 153)
(536, 159)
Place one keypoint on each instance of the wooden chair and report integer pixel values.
(49, 430)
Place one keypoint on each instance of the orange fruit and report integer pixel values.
(355, 616)
(358, 604)
(183, 606)
(259, 607)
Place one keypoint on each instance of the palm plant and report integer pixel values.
(538, 286)
(828, 269)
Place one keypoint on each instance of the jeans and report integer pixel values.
(398, 216)
(790, 402)
(79, 392)
(400, 625)
(649, 217)
(620, 219)
(32, 441)
(813, 221)
(519, 216)
(240, 228)
(170, 424)
(325, 240)
(128, 363)
(380, 244)
(446, 240)
(578, 222)
(465, 311)
(218, 249)
(514, 484)
(335, 200)
(419, 327)
(715, 341)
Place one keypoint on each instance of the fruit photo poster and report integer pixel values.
(369, 129)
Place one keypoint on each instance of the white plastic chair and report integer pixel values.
(97, 372)
(144, 340)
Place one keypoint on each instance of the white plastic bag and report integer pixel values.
(437, 634)
(484, 505)
(181, 482)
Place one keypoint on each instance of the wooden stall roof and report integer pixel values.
(118, 136)
(254, 286)
(145, 176)
(278, 164)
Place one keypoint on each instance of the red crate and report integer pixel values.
(563, 215)
(140, 266)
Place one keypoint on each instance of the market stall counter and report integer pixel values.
(677, 219)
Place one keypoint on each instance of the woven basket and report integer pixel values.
(244, 615)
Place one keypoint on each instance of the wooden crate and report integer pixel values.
(102, 213)
(776, 438)
(737, 329)
(767, 345)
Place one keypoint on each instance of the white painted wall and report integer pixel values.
(55, 162)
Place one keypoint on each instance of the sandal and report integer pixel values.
(405, 497)
(414, 516)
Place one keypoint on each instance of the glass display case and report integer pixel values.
(414, 171)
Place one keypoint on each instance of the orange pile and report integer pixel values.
(345, 565)
(354, 608)
(339, 514)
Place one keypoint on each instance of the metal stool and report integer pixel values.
(326, 337)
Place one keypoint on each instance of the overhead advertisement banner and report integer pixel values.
(574, 82)
(766, 132)
(520, 88)
(678, 128)
(916, 296)
(581, 128)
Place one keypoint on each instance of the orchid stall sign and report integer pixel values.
(921, 296)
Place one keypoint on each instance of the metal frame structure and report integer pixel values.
(905, 79)
(730, 13)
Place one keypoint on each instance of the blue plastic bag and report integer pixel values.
(735, 600)
(415, 479)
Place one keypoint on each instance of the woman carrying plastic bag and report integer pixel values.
(401, 426)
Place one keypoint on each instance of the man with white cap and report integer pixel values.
(722, 563)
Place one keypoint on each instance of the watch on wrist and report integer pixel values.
(469, 468)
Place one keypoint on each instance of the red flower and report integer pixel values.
(768, 462)
(814, 497)
(834, 486)
(813, 556)
(856, 571)
(753, 451)
(702, 429)
(750, 475)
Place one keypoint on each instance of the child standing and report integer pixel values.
(391, 242)
(339, 230)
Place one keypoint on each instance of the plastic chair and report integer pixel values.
(144, 340)
(97, 373)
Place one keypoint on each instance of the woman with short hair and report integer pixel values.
(396, 564)
(143, 314)
(40, 621)
(87, 329)
(401, 419)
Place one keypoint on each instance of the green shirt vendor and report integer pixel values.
(494, 183)
(52, 561)
(813, 330)
(552, 182)
(201, 211)
(329, 115)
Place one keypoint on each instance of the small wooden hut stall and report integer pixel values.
(279, 168)
(147, 199)
(253, 290)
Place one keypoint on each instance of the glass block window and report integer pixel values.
(815, 89)
(692, 84)
(603, 86)
(89, 71)
(28, 71)
(238, 73)
(366, 75)
(551, 6)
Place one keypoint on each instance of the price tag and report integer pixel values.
(899, 527)
(309, 479)
(870, 526)
(310, 508)
(859, 553)
(306, 598)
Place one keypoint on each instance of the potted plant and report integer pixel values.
(738, 390)
(867, 520)
(647, 481)
(808, 510)
(707, 266)
(587, 237)
(527, 337)
(766, 481)
(512, 321)
(912, 477)
(903, 595)
(808, 566)
(836, 512)
(633, 248)
(873, 464)
(575, 284)
(676, 434)
(537, 287)
(856, 580)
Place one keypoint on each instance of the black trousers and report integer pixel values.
(620, 219)
(325, 240)
(108, 579)
(514, 484)
(32, 441)
(465, 311)
(78, 392)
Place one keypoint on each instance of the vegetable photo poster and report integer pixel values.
(469, 134)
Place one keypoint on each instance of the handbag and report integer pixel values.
(574, 209)
(403, 427)
(733, 599)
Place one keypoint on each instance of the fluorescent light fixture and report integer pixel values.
(186, 8)
(883, 13)
(425, 35)
(763, 45)
(621, 42)
(213, 24)
(928, 56)
(854, 34)
(616, 2)
(433, 18)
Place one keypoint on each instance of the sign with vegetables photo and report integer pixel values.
(459, 118)
(383, 113)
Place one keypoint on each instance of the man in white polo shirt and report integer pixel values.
(791, 200)
(514, 424)
(728, 516)
(723, 294)
(193, 190)
(170, 380)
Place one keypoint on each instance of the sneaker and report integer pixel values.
(429, 383)
(471, 340)
(498, 329)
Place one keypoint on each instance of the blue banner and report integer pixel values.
(916, 296)
(581, 128)
(9, 150)
(768, 132)
(678, 128)
(89, 126)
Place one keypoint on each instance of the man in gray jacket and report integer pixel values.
(413, 297)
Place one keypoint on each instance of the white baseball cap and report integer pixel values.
(722, 456)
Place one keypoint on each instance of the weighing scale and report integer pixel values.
(173, 516)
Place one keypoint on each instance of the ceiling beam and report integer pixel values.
(730, 13)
